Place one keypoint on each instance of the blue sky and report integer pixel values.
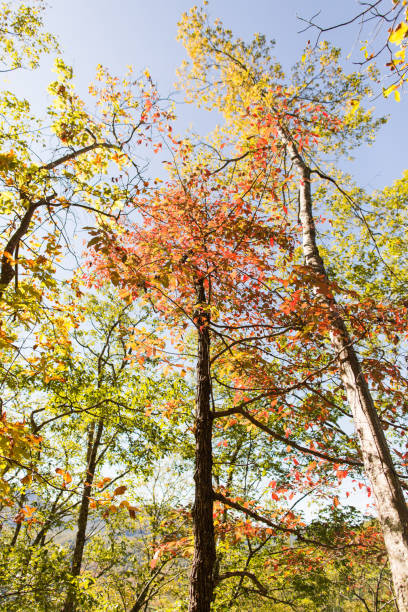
(117, 33)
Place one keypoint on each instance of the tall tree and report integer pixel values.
(90, 408)
(204, 251)
(287, 113)
(52, 171)
(22, 42)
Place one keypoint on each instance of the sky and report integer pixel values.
(118, 33)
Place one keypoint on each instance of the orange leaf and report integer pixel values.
(65, 475)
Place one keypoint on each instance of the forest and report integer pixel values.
(204, 329)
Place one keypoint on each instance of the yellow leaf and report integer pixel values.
(354, 105)
(386, 92)
(399, 33)
(397, 95)
(124, 293)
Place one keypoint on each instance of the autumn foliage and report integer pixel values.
(180, 378)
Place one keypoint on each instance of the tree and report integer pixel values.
(237, 330)
(203, 250)
(112, 400)
(248, 91)
(141, 561)
(22, 41)
(90, 407)
(22, 37)
(183, 254)
(390, 28)
(49, 175)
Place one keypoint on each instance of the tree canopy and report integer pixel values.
(203, 335)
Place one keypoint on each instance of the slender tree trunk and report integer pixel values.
(144, 596)
(391, 506)
(94, 439)
(202, 573)
(15, 535)
(17, 528)
(141, 600)
(7, 271)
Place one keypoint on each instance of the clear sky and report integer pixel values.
(117, 33)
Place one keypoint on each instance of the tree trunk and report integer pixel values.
(7, 271)
(77, 556)
(391, 506)
(202, 573)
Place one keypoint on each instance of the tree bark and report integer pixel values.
(94, 440)
(202, 573)
(7, 271)
(391, 505)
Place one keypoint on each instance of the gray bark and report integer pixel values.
(391, 505)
